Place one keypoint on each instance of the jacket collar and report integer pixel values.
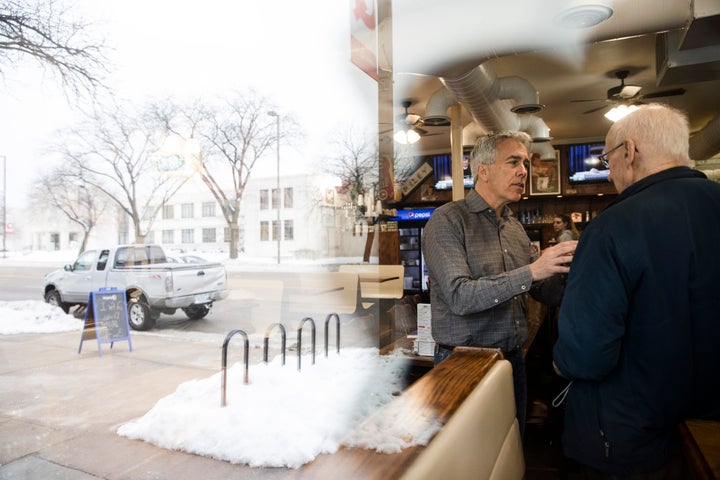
(661, 176)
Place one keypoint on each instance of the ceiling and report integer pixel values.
(435, 41)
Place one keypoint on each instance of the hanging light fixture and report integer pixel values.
(618, 112)
(406, 136)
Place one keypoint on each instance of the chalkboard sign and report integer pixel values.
(106, 318)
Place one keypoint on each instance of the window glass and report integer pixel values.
(85, 261)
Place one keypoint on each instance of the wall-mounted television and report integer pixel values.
(442, 168)
(584, 164)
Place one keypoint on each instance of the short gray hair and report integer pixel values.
(485, 149)
(661, 129)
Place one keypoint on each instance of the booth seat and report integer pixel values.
(481, 440)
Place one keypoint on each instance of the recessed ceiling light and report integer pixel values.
(584, 16)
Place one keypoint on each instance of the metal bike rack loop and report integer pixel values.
(299, 339)
(337, 332)
(266, 341)
(246, 345)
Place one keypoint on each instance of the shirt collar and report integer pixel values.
(477, 204)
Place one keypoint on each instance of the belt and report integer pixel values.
(510, 353)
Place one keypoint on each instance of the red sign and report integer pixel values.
(363, 36)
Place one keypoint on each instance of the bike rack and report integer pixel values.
(266, 341)
(246, 345)
(299, 339)
(337, 332)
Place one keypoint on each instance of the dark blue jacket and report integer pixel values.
(639, 326)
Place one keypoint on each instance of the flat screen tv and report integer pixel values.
(442, 168)
(584, 165)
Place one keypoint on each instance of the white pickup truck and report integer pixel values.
(152, 285)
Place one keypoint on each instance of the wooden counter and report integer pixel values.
(701, 447)
(438, 393)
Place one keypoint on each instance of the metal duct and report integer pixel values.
(706, 142)
(545, 150)
(535, 127)
(484, 95)
(527, 99)
(437, 106)
(478, 91)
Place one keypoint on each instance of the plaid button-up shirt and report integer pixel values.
(479, 272)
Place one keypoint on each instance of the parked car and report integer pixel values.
(186, 259)
(152, 284)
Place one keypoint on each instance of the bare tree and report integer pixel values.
(44, 30)
(68, 191)
(118, 153)
(230, 140)
(355, 162)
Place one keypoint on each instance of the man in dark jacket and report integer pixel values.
(639, 326)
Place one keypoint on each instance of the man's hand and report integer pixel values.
(553, 260)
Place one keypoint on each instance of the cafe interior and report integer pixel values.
(448, 72)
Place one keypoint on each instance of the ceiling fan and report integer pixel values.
(409, 125)
(628, 94)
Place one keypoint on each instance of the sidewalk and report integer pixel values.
(59, 410)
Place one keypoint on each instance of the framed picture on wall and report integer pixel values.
(544, 175)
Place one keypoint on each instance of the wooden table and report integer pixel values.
(406, 344)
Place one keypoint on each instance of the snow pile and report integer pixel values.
(283, 417)
(34, 316)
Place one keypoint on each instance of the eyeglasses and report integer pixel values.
(604, 157)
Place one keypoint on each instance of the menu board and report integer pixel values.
(106, 318)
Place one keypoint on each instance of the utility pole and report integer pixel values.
(4, 206)
(279, 229)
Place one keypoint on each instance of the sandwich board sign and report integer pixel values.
(106, 318)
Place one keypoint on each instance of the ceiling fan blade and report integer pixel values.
(665, 93)
(594, 109)
(589, 100)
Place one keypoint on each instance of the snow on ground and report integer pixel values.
(33, 316)
(284, 417)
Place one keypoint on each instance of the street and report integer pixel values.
(255, 303)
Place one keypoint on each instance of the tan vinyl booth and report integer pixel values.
(481, 440)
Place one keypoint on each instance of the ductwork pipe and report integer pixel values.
(436, 108)
(545, 150)
(527, 99)
(535, 127)
(706, 142)
(485, 97)
(477, 90)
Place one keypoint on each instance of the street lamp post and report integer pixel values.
(277, 179)
(4, 205)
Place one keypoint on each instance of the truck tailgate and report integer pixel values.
(198, 280)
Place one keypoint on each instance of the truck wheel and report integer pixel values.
(139, 316)
(53, 298)
(196, 312)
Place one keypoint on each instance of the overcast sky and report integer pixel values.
(295, 53)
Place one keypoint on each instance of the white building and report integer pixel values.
(314, 223)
